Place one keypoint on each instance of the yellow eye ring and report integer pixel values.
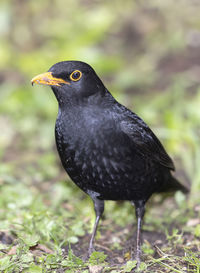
(75, 75)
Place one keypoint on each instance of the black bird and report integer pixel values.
(107, 150)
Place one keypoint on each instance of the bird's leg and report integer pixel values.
(139, 211)
(99, 208)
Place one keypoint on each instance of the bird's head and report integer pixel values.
(71, 80)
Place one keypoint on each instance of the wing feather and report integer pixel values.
(145, 141)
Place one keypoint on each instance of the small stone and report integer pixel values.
(95, 268)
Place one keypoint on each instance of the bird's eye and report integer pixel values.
(75, 75)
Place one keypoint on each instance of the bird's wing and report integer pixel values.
(145, 141)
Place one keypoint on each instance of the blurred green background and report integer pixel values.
(148, 55)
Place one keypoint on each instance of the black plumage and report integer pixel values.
(107, 150)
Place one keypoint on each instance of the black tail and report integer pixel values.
(173, 185)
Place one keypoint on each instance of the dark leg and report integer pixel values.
(99, 208)
(139, 211)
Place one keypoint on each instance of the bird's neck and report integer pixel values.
(71, 101)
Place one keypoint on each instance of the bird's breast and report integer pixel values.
(99, 158)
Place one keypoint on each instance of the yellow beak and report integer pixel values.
(48, 79)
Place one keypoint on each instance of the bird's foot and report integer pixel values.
(138, 258)
(138, 261)
(90, 250)
(88, 254)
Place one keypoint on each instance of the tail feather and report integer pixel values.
(174, 185)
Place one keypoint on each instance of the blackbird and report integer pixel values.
(107, 150)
